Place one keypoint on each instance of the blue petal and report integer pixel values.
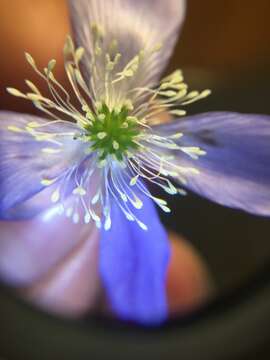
(133, 266)
(236, 169)
(23, 164)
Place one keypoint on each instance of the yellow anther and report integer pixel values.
(55, 196)
(32, 87)
(69, 47)
(30, 60)
(178, 112)
(79, 191)
(33, 124)
(15, 129)
(102, 163)
(134, 180)
(51, 65)
(79, 54)
(47, 182)
(34, 97)
(128, 104)
(97, 31)
(15, 92)
(51, 151)
(157, 47)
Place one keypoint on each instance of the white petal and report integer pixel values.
(72, 287)
(29, 249)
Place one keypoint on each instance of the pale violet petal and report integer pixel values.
(235, 171)
(135, 25)
(27, 165)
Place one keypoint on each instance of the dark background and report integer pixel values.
(225, 45)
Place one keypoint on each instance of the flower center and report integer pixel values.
(112, 132)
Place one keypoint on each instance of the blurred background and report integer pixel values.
(227, 40)
(225, 46)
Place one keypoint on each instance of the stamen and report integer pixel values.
(113, 123)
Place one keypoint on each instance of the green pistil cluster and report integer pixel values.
(112, 132)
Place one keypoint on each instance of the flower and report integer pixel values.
(92, 163)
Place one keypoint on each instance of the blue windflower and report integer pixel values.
(89, 167)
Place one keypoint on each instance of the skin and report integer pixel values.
(189, 283)
(72, 287)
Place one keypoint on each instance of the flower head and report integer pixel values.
(113, 129)
(93, 161)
